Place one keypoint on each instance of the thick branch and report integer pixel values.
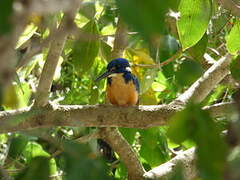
(205, 84)
(166, 170)
(232, 6)
(113, 137)
(93, 116)
(51, 7)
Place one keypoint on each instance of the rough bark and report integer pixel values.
(95, 116)
(166, 170)
(205, 84)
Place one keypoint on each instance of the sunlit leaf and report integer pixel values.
(158, 86)
(193, 21)
(27, 34)
(148, 98)
(146, 78)
(141, 56)
(10, 97)
(33, 150)
(233, 39)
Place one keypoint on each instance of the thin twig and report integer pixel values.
(166, 62)
(207, 82)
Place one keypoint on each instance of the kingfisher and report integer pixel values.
(122, 85)
(122, 90)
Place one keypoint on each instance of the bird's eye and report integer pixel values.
(113, 69)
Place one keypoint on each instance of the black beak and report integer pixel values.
(104, 75)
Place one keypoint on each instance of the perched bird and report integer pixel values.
(122, 85)
(122, 90)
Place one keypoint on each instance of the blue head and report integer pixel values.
(119, 65)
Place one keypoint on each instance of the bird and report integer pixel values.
(122, 86)
(122, 90)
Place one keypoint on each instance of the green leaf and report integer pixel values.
(167, 48)
(235, 68)
(86, 50)
(178, 173)
(6, 10)
(233, 39)
(146, 17)
(105, 50)
(196, 124)
(128, 134)
(211, 148)
(78, 159)
(27, 34)
(193, 21)
(121, 171)
(33, 150)
(154, 147)
(17, 146)
(38, 169)
(108, 16)
(197, 51)
(180, 127)
(147, 79)
(188, 72)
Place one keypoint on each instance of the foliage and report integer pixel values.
(199, 30)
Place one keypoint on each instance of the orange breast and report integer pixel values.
(121, 93)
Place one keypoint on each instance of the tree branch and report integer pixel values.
(113, 137)
(205, 84)
(232, 6)
(166, 170)
(42, 7)
(94, 116)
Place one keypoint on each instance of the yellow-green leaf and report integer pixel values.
(233, 39)
(193, 21)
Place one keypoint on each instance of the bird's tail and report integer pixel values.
(106, 151)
